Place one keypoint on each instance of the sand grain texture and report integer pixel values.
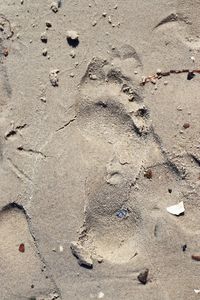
(90, 159)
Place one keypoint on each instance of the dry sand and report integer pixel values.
(91, 158)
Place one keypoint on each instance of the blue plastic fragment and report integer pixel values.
(122, 213)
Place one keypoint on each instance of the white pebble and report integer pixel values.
(72, 35)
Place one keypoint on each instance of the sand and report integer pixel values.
(99, 135)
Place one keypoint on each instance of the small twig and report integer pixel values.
(159, 75)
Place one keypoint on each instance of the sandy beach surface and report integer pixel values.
(99, 149)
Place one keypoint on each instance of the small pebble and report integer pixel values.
(93, 77)
(43, 99)
(43, 37)
(22, 248)
(186, 125)
(71, 75)
(153, 81)
(54, 7)
(104, 14)
(135, 72)
(53, 77)
(165, 82)
(48, 24)
(143, 276)
(30, 41)
(44, 52)
(72, 38)
(116, 6)
(22, 2)
(5, 52)
(148, 174)
(179, 108)
(72, 54)
(158, 71)
(83, 256)
(109, 20)
(192, 58)
(94, 23)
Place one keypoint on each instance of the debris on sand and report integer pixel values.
(5, 52)
(159, 74)
(72, 54)
(44, 52)
(190, 75)
(177, 209)
(53, 77)
(94, 23)
(72, 38)
(196, 257)
(186, 125)
(83, 256)
(109, 20)
(148, 174)
(43, 37)
(197, 291)
(100, 295)
(122, 213)
(21, 248)
(54, 7)
(184, 247)
(48, 24)
(143, 276)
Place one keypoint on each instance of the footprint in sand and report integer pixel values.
(112, 117)
(19, 257)
(186, 20)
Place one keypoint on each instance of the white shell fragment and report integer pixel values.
(100, 295)
(176, 209)
(197, 291)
